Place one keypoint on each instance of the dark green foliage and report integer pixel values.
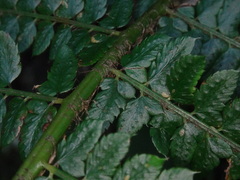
(39, 116)
(231, 121)
(182, 80)
(102, 161)
(137, 113)
(28, 32)
(61, 38)
(70, 8)
(214, 93)
(119, 14)
(43, 37)
(9, 60)
(93, 10)
(13, 120)
(140, 167)
(108, 103)
(73, 151)
(177, 173)
(62, 74)
(192, 116)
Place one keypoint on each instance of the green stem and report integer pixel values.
(205, 28)
(57, 172)
(62, 20)
(167, 104)
(14, 92)
(71, 105)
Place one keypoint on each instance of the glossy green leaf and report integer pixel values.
(10, 25)
(107, 154)
(184, 143)
(207, 12)
(219, 147)
(140, 167)
(79, 40)
(61, 37)
(169, 53)
(118, 15)
(95, 52)
(107, 103)
(141, 7)
(173, 27)
(142, 56)
(137, 113)
(70, 8)
(177, 173)
(187, 11)
(27, 34)
(13, 120)
(62, 74)
(40, 114)
(48, 6)
(27, 5)
(43, 38)
(10, 67)
(93, 10)
(74, 150)
(231, 121)
(229, 22)
(204, 159)
(190, 145)
(234, 164)
(210, 99)
(126, 89)
(183, 78)
(164, 125)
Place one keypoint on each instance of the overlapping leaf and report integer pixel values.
(107, 103)
(213, 94)
(177, 173)
(10, 25)
(62, 73)
(142, 56)
(70, 8)
(118, 15)
(60, 39)
(43, 38)
(191, 145)
(164, 126)
(73, 151)
(137, 113)
(169, 53)
(33, 127)
(140, 167)
(93, 10)
(48, 6)
(107, 154)
(9, 60)
(231, 121)
(27, 33)
(27, 5)
(183, 78)
(13, 120)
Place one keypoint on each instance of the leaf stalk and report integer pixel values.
(62, 20)
(14, 92)
(167, 104)
(204, 28)
(73, 104)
